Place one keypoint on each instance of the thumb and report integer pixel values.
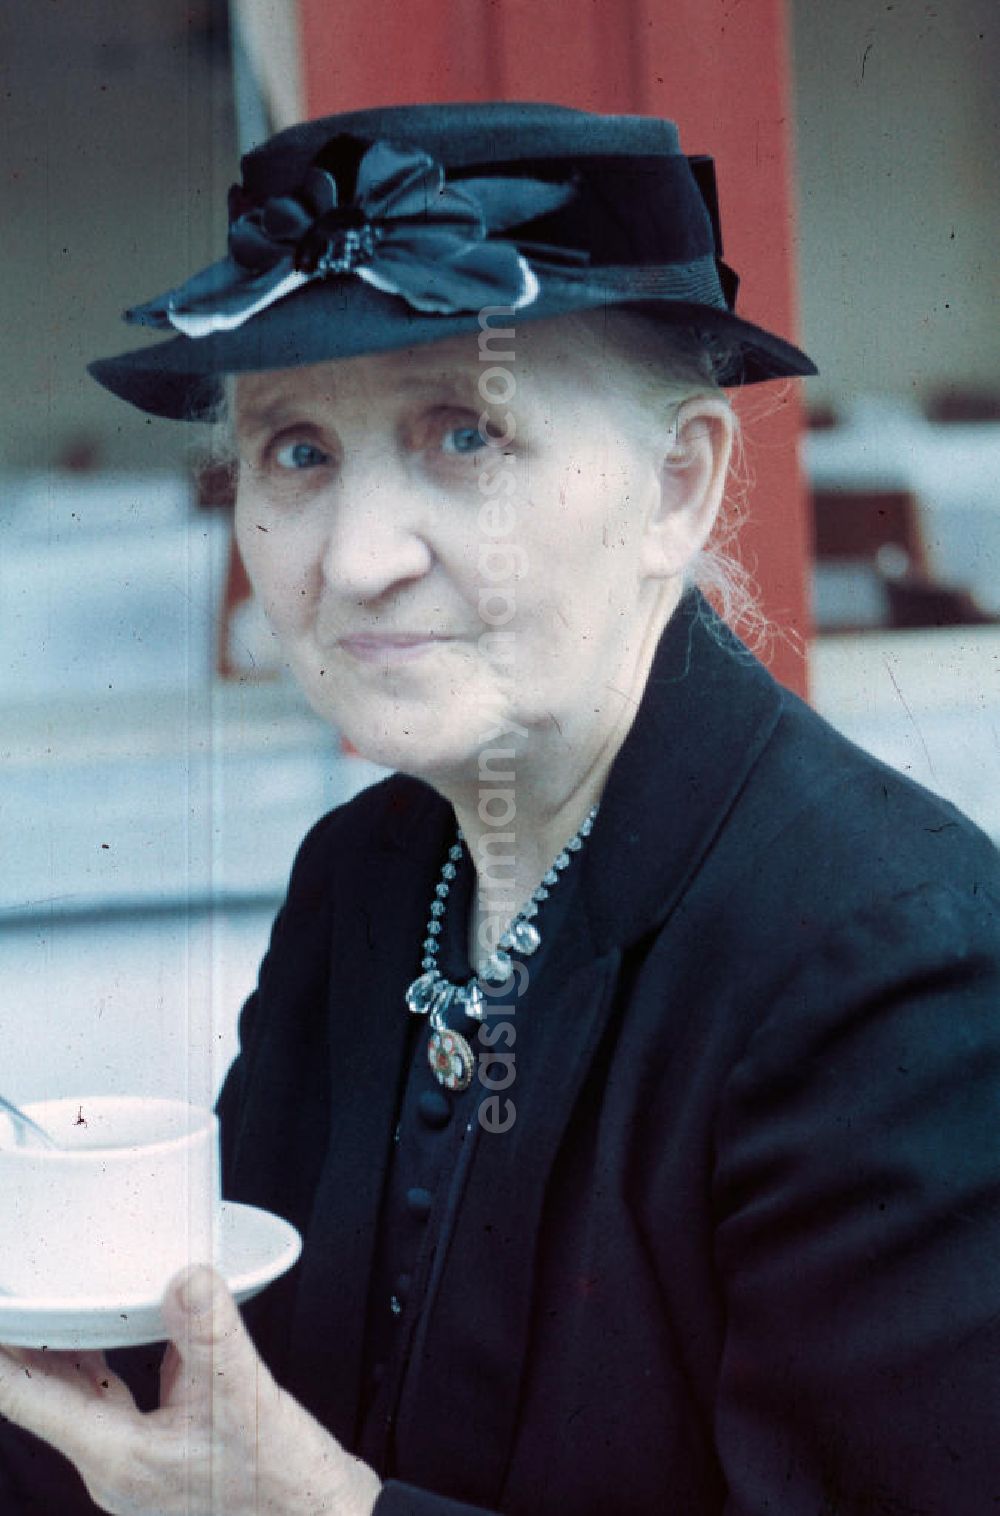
(205, 1327)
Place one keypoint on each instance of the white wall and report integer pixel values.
(898, 140)
(118, 140)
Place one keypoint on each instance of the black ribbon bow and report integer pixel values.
(407, 231)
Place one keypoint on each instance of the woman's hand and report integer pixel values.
(225, 1441)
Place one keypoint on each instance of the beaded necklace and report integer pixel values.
(449, 1053)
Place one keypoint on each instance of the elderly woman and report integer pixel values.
(629, 1060)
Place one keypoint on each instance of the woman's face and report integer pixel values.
(430, 584)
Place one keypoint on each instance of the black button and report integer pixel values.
(419, 1202)
(435, 1108)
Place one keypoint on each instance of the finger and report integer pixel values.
(212, 1347)
(169, 1371)
(19, 1355)
(88, 1372)
(57, 1397)
(106, 1386)
(86, 1366)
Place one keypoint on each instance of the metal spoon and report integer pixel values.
(26, 1131)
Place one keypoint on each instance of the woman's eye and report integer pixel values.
(461, 441)
(298, 455)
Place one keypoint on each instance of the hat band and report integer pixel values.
(695, 282)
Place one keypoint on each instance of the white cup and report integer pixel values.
(129, 1197)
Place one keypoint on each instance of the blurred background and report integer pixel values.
(157, 769)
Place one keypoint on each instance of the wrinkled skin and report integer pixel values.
(225, 1441)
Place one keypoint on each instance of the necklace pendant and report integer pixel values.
(441, 1004)
(422, 992)
(431, 994)
(451, 1059)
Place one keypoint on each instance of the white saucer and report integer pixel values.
(255, 1248)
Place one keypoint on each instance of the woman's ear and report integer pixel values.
(691, 480)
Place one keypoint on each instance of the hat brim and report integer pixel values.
(326, 321)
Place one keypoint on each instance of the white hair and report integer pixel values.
(664, 365)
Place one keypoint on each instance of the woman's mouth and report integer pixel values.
(390, 647)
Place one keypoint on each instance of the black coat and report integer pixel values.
(740, 1250)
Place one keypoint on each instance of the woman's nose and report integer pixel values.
(375, 538)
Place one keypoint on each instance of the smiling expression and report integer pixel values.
(446, 543)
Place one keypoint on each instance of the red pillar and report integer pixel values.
(721, 71)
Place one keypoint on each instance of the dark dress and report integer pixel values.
(739, 1250)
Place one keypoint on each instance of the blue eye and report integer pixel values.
(467, 440)
(300, 455)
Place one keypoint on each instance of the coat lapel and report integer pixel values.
(708, 712)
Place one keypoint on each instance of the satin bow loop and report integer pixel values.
(407, 232)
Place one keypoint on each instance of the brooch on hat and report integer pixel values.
(405, 231)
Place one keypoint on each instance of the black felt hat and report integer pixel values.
(385, 228)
